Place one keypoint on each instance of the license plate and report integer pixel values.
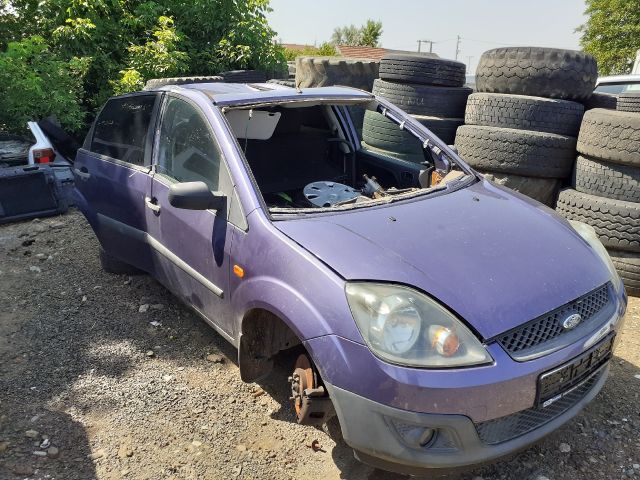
(555, 384)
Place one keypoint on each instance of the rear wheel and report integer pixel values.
(111, 264)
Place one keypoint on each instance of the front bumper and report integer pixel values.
(368, 427)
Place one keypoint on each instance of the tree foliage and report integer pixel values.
(119, 44)
(34, 82)
(368, 35)
(612, 34)
(324, 50)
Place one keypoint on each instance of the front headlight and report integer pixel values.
(403, 326)
(589, 235)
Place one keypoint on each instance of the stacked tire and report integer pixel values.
(329, 71)
(606, 185)
(426, 87)
(521, 127)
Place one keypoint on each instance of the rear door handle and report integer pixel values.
(152, 204)
(83, 173)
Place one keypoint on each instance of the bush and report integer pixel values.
(36, 83)
(324, 50)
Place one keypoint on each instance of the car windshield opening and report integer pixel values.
(303, 159)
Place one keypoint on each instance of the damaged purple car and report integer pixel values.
(445, 320)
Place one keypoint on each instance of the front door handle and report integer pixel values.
(83, 173)
(152, 204)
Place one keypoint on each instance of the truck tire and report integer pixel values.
(629, 102)
(161, 82)
(244, 76)
(628, 266)
(111, 264)
(601, 100)
(544, 190)
(415, 157)
(524, 113)
(448, 102)
(611, 135)
(540, 72)
(617, 223)
(611, 180)
(327, 71)
(518, 152)
(421, 69)
(284, 83)
(380, 132)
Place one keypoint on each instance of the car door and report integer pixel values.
(112, 175)
(192, 247)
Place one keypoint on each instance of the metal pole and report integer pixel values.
(458, 47)
(419, 45)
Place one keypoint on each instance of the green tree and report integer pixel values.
(368, 35)
(324, 50)
(34, 82)
(612, 34)
(119, 44)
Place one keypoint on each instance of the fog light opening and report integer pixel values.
(415, 436)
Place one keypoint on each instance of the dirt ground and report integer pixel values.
(109, 377)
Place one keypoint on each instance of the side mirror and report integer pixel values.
(196, 196)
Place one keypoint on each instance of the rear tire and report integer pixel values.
(561, 117)
(421, 69)
(428, 100)
(629, 102)
(611, 180)
(617, 223)
(611, 135)
(517, 152)
(540, 72)
(628, 266)
(328, 71)
(111, 264)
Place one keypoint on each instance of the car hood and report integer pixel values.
(492, 256)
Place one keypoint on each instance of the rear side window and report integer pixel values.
(121, 129)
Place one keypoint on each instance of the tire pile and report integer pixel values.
(521, 127)
(428, 88)
(606, 184)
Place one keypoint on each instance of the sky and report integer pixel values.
(481, 24)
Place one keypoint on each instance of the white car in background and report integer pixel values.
(617, 84)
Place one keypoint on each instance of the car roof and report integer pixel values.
(619, 79)
(241, 93)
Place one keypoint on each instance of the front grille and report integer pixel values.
(506, 428)
(530, 340)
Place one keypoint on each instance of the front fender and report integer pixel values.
(289, 304)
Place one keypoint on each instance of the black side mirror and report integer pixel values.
(196, 196)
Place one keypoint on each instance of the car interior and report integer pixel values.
(300, 159)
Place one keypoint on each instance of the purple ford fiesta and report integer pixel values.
(445, 320)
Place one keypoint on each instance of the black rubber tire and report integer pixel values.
(284, 83)
(611, 180)
(161, 82)
(421, 69)
(617, 223)
(601, 100)
(428, 100)
(541, 72)
(524, 113)
(629, 102)
(544, 190)
(518, 152)
(244, 76)
(381, 132)
(416, 157)
(628, 267)
(111, 264)
(328, 71)
(611, 135)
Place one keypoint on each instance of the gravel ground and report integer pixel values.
(109, 377)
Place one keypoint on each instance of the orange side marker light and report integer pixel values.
(238, 270)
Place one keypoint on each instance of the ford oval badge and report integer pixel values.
(572, 321)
